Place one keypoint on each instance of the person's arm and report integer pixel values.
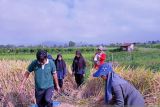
(56, 81)
(95, 58)
(118, 96)
(25, 77)
(73, 68)
(84, 67)
(54, 73)
(26, 74)
(65, 69)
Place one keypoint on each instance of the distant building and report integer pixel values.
(127, 47)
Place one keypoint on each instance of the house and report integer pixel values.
(127, 47)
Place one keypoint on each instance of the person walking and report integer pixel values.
(78, 68)
(45, 73)
(61, 70)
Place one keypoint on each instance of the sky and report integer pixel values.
(90, 21)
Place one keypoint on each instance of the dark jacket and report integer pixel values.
(60, 67)
(79, 65)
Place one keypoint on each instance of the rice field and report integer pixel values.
(145, 80)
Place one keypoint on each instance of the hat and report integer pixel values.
(103, 70)
(100, 48)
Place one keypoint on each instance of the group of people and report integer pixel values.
(50, 73)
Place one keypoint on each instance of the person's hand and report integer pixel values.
(58, 88)
(99, 99)
(84, 75)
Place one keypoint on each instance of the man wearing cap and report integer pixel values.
(45, 73)
(99, 57)
(118, 92)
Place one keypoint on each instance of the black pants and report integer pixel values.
(60, 82)
(79, 79)
(44, 97)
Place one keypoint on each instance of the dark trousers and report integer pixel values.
(79, 79)
(44, 97)
(60, 82)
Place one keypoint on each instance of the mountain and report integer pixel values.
(52, 43)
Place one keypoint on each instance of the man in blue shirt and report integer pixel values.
(45, 73)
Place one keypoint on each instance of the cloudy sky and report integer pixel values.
(92, 21)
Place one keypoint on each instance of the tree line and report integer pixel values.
(50, 50)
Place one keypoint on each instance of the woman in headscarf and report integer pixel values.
(118, 92)
(61, 70)
(78, 68)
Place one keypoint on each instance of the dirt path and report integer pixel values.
(72, 97)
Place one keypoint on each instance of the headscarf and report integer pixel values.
(58, 66)
(81, 61)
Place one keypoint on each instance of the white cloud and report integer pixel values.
(93, 20)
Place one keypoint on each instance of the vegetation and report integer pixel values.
(140, 67)
(148, 58)
(143, 79)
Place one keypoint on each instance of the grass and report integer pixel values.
(11, 71)
(28, 57)
(141, 57)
